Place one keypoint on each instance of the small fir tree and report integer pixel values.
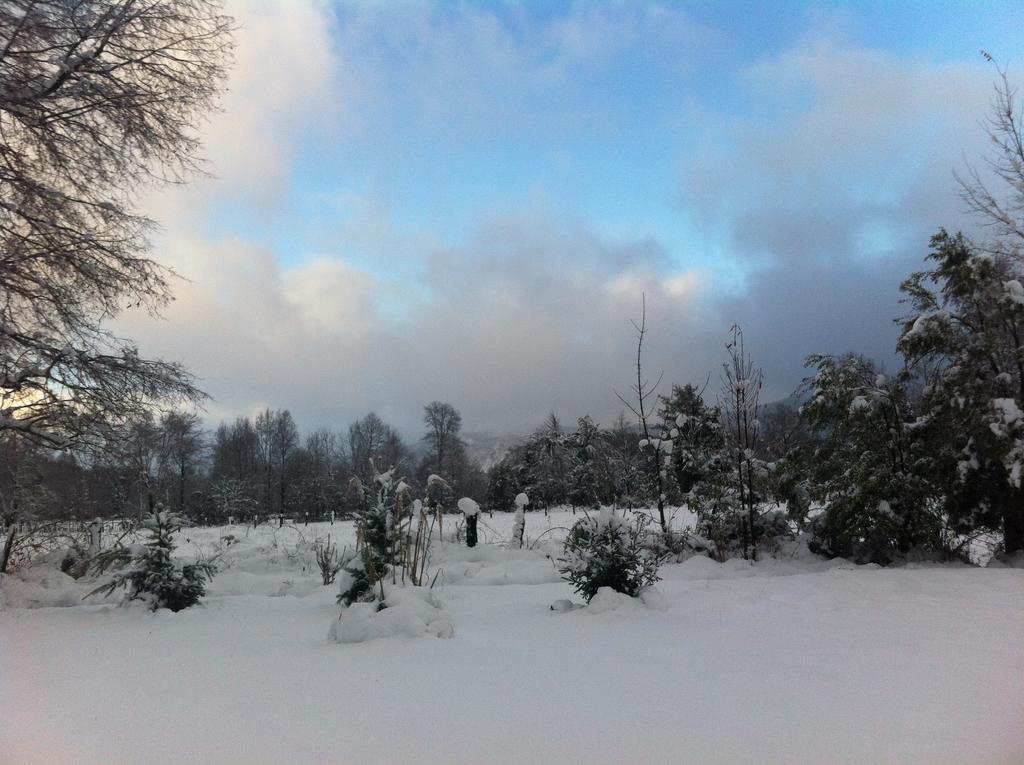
(149, 573)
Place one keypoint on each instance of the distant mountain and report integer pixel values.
(489, 448)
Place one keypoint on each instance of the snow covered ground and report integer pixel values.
(787, 661)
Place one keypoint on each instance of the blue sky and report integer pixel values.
(603, 140)
(422, 176)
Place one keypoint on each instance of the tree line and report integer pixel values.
(244, 469)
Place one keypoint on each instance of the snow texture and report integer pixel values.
(408, 612)
(787, 660)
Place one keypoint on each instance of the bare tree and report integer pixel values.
(443, 423)
(643, 390)
(182, 450)
(97, 97)
(1003, 213)
(277, 438)
(371, 439)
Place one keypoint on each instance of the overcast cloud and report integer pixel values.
(467, 203)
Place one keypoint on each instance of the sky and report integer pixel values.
(470, 202)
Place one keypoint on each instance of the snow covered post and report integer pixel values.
(519, 526)
(471, 510)
(95, 536)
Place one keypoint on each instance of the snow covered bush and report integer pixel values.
(373, 544)
(392, 538)
(327, 560)
(409, 612)
(727, 532)
(148, 572)
(609, 551)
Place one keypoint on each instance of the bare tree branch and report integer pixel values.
(96, 98)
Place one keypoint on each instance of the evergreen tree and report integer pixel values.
(870, 470)
(966, 336)
(151, 574)
(696, 433)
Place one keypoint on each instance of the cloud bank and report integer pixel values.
(799, 215)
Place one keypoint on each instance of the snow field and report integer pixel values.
(792, 660)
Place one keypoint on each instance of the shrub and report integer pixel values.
(148, 572)
(609, 551)
(726, 532)
(327, 559)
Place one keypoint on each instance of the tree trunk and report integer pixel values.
(1013, 525)
(6, 555)
(470, 531)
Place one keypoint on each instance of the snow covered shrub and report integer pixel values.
(609, 551)
(408, 612)
(728, 532)
(327, 560)
(147, 571)
(370, 564)
(674, 545)
(75, 562)
(392, 537)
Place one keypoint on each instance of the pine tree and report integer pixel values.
(870, 470)
(966, 336)
(151, 574)
(696, 432)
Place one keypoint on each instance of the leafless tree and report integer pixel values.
(643, 391)
(97, 97)
(443, 423)
(183, 447)
(1002, 210)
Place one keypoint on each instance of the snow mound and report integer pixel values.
(840, 564)
(46, 587)
(563, 605)
(409, 612)
(491, 565)
(698, 567)
(654, 599)
(607, 600)
(1013, 561)
(738, 567)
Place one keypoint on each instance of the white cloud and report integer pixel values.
(531, 312)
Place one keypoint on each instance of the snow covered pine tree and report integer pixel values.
(968, 338)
